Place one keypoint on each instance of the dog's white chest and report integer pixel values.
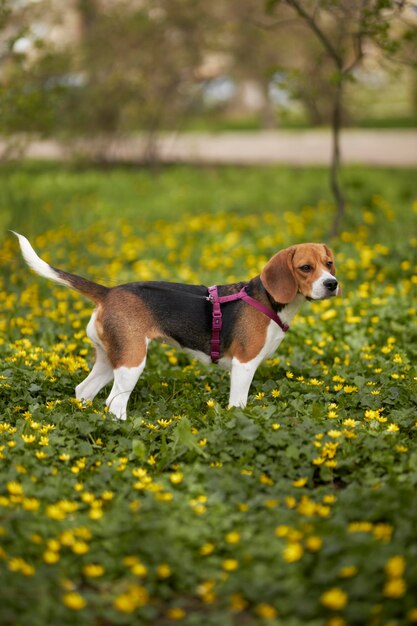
(274, 336)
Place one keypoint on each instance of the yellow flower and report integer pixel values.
(334, 598)
(383, 532)
(164, 423)
(139, 569)
(79, 547)
(205, 588)
(282, 530)
(230, 565)
(271, 503)
(175, 613)
(395, 567)
(275, 393)
(336, 620)
(348, 571)
(14, 488)
(50, 557)
(300, 482)
(29, 438)
(207, 548)
(237, 603)
(124, 603)
(334, 434)
(18, 564)
(360, 527)
(53, 544)
(74, 601)
(27, 570)
(93, 570)
(293, 552)
(314, 543)
(395, 588)
(176, 477)
(291, 502)
(232, 537)
(266, 611)
(163, 570)
(316, 383)
(30, 504)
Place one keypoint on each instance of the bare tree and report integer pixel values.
(346, 30)
(139, 62)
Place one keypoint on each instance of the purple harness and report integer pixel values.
(216, 327)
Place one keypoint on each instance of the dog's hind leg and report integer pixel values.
(126, 374)
(125, 379)
(102, 372)
(99, 377)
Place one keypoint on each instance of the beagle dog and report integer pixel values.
(254, 318)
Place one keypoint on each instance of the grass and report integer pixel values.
(219, 124)
(299, 510)
(37, 196)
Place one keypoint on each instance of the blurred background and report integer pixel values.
(228, 81)
(109, 68)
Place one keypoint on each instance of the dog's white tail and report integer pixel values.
(92, 290)
(36, 263)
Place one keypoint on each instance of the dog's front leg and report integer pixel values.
(241, 376)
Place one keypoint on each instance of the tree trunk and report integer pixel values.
(335, 184)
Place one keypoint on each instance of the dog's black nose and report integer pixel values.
(331, 284)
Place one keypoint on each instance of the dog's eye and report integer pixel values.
(329, 263)
(306, 268)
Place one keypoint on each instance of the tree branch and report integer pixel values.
(312, 22)
(272, 25)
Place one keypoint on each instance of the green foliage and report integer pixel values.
(298, 510)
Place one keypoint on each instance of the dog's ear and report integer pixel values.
(277, 277)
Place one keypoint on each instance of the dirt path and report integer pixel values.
(397, 148)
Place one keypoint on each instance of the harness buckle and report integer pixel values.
(217, 321)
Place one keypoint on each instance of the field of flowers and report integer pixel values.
(300, 510)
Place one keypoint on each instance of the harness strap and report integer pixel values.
(217, 322)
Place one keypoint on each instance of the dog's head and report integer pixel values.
(307, 268)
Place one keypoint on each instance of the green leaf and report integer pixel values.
(292, 452)
(85, 448)
(250, 432)
(183, 436)
(139, 449)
